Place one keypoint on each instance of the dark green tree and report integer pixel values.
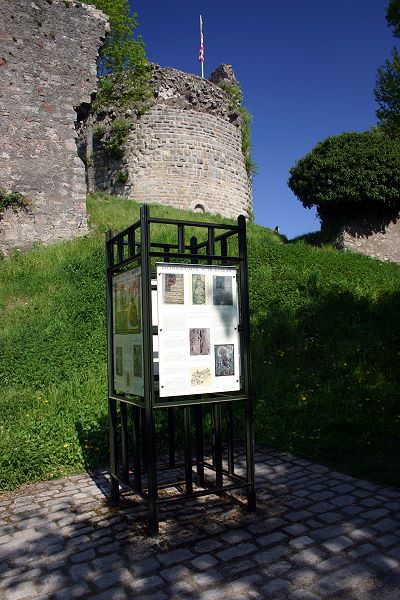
(387, 95)
(393, 16)
(387, 85)
(349, 174)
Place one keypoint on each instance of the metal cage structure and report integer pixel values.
(138, 421)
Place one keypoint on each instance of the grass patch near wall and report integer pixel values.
(325, 331)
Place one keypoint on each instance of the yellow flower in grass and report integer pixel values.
(66, 445)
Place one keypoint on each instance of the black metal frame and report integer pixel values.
(131, 247)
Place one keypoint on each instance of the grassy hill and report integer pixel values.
(325, 339)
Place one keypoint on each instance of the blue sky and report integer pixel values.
(307, 69)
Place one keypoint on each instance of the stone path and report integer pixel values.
(316, 534)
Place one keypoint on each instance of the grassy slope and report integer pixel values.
(325, 353)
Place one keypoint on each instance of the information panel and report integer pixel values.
(127, 332)
(197, 329)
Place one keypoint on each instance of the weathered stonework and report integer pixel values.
(374, 236)
(185, 151)
(48, 51)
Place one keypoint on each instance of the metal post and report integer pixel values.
(123, 409)
(148, 370)
(188, 450)
(112, 405)
(170, 411)
(218, 444)
(137, 468)
(251, 495)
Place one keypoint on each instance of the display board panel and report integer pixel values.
(127, 332)
(198, 333)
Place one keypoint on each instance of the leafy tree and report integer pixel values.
(393, 16)
(387, 85)
(349, 173)
(387, 94)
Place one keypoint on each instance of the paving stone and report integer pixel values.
(266, 557)
(301, 542)
(309, 556)
(387, 525)
(235, 536)
(300, 515)
(278, 568)
(383, 563)
(351, 577)
(83, 556)
(73, 591)
(362, 550)
(145, 566)
(174, 572)
(275, 586)
(303, 595)
(204, 562)
(204, 580)
(303, 577)
(174, 556)
(271, 538)
(236, 551)
(338, 544)
(326, 533)
(207, 545)
(331, 517)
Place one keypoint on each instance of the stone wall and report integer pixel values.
(48, 51)
(185, 151)
(373, 236)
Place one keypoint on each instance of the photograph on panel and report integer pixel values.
(199, 339)
(173, 288)
(224, 360)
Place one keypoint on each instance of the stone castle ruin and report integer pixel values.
(185, 150)
(182, 148)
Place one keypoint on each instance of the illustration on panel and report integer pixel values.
(137, 360)
(199, 341)
(222, 290)
(127, 305)
(199, 294)
(200, 376)
(173, 290)
(224, 360)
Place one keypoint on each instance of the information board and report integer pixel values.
(197, 329)
(127, 332)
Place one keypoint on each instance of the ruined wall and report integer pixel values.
(48, 51)
(186, 151)
(373, 236)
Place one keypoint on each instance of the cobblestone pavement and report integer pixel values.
(316, 534)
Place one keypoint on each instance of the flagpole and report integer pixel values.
(201, 51)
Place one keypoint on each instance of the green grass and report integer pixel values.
(325, 329)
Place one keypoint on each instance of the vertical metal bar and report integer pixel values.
(148, 370)
(170, 411)
(120, 249)
(137, 469)
(224, 247)
(218, 444)
(198, 423)
(124, 442)
(131, 242)
(246, 363)
(211, 243)
(171, 437)
(143, 437)
(229, 427)
(181, 239)
(193, 249)
(112, 404)
(188, 450)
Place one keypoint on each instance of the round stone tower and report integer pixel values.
(184, 151)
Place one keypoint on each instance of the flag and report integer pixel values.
(201, 51)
